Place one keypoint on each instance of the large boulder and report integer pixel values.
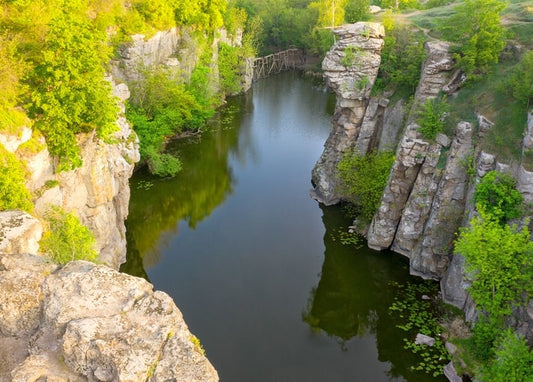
(87, 322)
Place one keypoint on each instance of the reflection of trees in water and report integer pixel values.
(158, 205)
(353, 296)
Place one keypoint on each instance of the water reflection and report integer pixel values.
(158, 205)
(353, 295)
(242, 276)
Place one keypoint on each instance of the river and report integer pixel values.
(254, 264)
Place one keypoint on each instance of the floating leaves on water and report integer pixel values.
(347, 237)
(145, 185)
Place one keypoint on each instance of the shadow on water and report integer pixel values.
(158, 205)
(353, 296)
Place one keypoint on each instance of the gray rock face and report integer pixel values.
(413, 180)
(352, 83)
(98, 191)
(432, 257)
(141, 53)
(19, 232)
(87, 322)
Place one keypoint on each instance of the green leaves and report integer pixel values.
(498, 197)
(499, 260)
(431, 117)
(477, 30)
(68, 92)
(66, 238)
(13, 191)
(364, 177)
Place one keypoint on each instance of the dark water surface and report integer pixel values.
(254, 263)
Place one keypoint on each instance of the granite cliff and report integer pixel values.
(428, 195)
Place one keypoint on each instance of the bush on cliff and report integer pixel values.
(496, 194)
(13, 191)
(161, 107)
(66, 239)
(364, 178)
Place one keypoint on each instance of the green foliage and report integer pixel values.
(431, 117)
(418, 315)
(364, 177)
(234, 19)
(477, 29)
(197, 344)
(520, 82)
(162, 106)
(483, 338)
(68, 92)
(356, 10)
(513, 361)
(13, 192)
(66, 239)
(499, 262)
(401, 58)
(162, 164)
(400, 4)
(203, 14)
(230, 68)
(349, 56)
(496, 195)
(330, 12)
(11, 69)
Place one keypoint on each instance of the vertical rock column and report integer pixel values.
(416, 160)
(352, 81)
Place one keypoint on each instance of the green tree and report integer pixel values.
(513, 361)
(431, 117)
(203, 14)
(477, 29)
(521, 82)
(499, 262)
(364, 178)
(330, 12)
(497, 195)
(69, 94)
(13, 191)
(230, 67)
(356, 10)
(66, 239)
(401, 58)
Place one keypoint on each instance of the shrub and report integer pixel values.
(230, 68)
(13, 191)
(497, 195)
(499, 263)
(162, 107)
(364, 178)
(431, 118)
(520, 83)
(349, 56)
(66, 239)
(513, 361)
(401, 58)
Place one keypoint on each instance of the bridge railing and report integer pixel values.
(277, 62)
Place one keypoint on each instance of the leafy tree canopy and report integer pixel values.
(477, 29)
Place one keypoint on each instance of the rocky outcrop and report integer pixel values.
(350, 69)
(87, 322)
(98, 192)
(411, 166)
(432, 256)
(176, 49)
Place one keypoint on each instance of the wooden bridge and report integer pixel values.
(277, 62)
